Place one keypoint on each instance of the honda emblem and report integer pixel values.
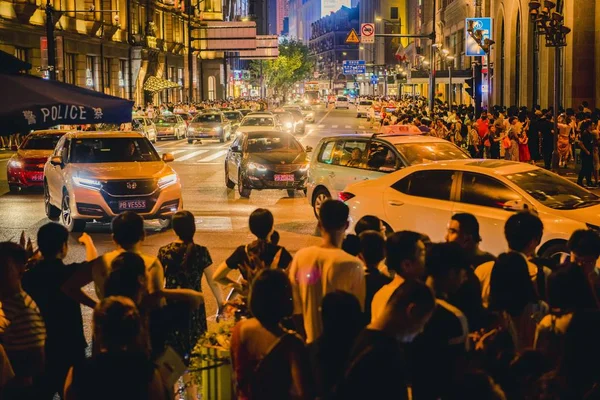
(131, 185)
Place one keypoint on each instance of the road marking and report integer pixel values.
(348, 127)
(325, 116)
(334, 126)
(169, 143)
(191, 155)
(213, 157)
(361, 127)
(321, 126)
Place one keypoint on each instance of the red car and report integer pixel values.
(26, 168)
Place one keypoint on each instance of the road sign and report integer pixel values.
(367, 33)
(477, 24)
(352, 37)
(354, 67)
(374, 79)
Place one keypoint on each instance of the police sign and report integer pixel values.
(478, 27)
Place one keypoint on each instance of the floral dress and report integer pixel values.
(179, 276)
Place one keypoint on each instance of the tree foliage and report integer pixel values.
(292, 66)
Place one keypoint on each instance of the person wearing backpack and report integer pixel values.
(251, 258)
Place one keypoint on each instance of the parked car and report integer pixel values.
(94, 176)
(211, 125)
(235, 117)
(266, 160)
(342, 102)
(338, 161)
(424, 197)
(363, 108)
(170, 126)
(25, 169)
(145, 126)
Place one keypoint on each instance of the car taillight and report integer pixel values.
(345, 196)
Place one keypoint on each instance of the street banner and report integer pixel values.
(481, 27)
(367, 33)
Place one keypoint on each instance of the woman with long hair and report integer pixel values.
(260, 254)
(121, 368)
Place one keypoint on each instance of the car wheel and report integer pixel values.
(165, 223)
(228, 182)
(555, 251)
(291, 192)
(319, 197)
(66, 216)
(190, 141)
(52, 212)
(244, 191)
(14, 188)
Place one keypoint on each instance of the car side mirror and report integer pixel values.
(308, 149)
(168, 157)
(236, 149)
(518, 206)
(56, 161)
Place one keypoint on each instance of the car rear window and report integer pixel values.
(366, 103)
(342, 99)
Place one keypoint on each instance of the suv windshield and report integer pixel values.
(553, 191)
(170, 119)
(421, 153)
(40, 142)
(267, 142)
(110, 150)
(258, 121)
(207, 118)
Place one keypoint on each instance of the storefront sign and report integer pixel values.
(64, 113)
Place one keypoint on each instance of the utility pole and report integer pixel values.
(432, 61)
(50, 45)
(190, 54)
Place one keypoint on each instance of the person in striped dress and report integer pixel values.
(24, 336)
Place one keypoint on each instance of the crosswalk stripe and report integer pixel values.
(334, 126)
(213, 156)
(177, 152)
(168, 143)
(348, 127)
(321, 126)
(361, 127)
(191, 155)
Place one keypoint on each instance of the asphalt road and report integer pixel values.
(221, 215)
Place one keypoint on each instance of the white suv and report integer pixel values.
(94, 176)
(342, 102)
(363, 108)
(338, 161)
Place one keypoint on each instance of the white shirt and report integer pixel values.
(383, 295)
(101, 271)
(316, 271)
(484, 273)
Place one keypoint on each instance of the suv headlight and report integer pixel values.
(16, 163)
(92, 184)
(255, 166)
(167, 181)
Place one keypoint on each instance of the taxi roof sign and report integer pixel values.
(352, 37)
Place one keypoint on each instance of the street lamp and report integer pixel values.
(551, 24)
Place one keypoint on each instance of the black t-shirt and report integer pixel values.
(116, 376)
(163, 321)
(587, 139)
(240, 257)
(375, 280)
(62, 315)
(376, 369)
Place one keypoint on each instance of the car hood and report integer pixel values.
(120, 171)
(166, 125)
(278, 158)
(25, 154)
(587, 215)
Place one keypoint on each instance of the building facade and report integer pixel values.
(116, 51)
(329, 50)
(522, 67)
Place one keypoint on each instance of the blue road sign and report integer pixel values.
(354, 67)
(477, 24)
(374, 79)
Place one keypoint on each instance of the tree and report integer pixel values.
(292, 66)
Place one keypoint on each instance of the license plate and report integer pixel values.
(37, 177)
(132, 204)
(284, 178)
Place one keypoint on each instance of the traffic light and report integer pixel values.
(469, 84)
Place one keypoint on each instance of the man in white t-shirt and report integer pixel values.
(128, 235)
(523, 232)
(406, 257)
(318, 270)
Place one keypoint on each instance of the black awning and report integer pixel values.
(10, 64)
(32, 103)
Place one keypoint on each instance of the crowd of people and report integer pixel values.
(373, 314)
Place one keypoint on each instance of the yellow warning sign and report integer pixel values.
(352, 37)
